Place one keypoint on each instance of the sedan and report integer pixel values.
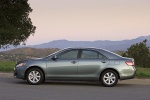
(77, 64)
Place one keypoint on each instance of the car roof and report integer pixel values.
(107, 53)
(91, 48)
(82, 48)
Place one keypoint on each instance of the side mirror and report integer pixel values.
(54, 57)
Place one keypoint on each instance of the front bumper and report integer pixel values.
(19, 72)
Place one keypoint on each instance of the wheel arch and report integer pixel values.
(110, 69)
(34, 67)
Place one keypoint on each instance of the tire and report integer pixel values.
(109, 78)
(34, 76)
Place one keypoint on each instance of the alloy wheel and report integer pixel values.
(34, 76)
(109, 78)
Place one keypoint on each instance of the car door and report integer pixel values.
(64, 67)
(90, 64)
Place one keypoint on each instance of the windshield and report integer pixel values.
(52, 54)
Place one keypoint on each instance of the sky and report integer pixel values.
(89, 20)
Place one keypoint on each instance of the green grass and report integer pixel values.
(6, 66)
(143, 72)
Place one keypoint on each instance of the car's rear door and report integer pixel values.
(90, 64)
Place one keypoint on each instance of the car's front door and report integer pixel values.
(64, 67)
(90, 64)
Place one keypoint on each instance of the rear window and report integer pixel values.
(110, 55)
(90, 54)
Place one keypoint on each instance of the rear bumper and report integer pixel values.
(125, 77)
(128, 77)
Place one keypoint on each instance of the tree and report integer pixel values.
(15, 24)
(140, 52)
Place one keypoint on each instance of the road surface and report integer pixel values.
(16, 89)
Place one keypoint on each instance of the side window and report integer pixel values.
(89, 54)
(72, 54)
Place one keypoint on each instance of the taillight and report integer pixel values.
(130, 63)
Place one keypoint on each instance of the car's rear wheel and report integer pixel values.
(109, 78)
(35, 76)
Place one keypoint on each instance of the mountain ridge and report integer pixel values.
(105, 44)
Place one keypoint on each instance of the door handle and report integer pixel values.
(73, 62)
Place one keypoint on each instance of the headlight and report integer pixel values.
(21, 65)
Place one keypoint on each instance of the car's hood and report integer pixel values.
(33, 59)
(36, 58)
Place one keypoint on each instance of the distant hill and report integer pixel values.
(25, 53)
(106, 44)
(29, 53)
(109, 45)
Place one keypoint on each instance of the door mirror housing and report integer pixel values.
(54, 57)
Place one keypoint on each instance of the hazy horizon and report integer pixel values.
(144, 37)
(106, 44)
(89, 20)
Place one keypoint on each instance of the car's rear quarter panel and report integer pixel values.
(125, 71)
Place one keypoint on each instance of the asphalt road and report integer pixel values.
(15, 89)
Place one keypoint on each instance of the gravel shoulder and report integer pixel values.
(131, 81)
(6, 75)
(136, 81)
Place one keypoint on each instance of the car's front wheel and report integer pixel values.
(35, 76)
(109, 78)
